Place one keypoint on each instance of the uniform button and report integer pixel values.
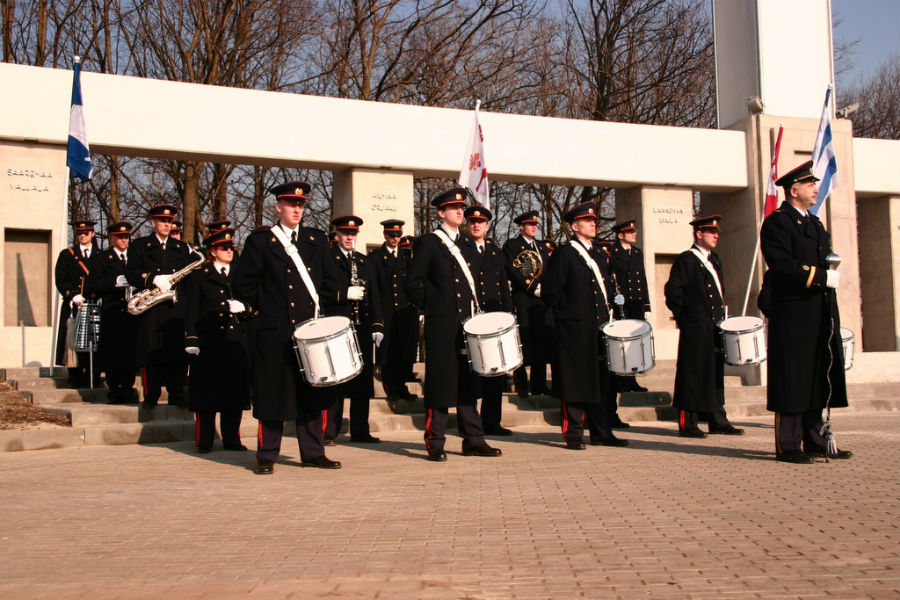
(459, 295)
(221, 327)
(290, 286)
(221, 291)
(292, 304)
(309, 269)
(231, 327)
(395, 276)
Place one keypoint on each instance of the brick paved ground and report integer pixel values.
(665, 518)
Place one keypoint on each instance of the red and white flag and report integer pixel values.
(772, 189)
(473, 174)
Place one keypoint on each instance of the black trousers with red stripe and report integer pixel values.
(492, 389)
(333, 418)
(690, 419)
(575, 415)
(205, 428)
(309, 436)
(468, 422)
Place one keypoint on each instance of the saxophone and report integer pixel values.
(147, 299)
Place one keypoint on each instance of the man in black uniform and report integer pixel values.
(694, 293)
(160, 330)
(626, 263)
(805, 353)
(175, 232)
(576, 285)
(118, 328)
(440, 281)
(397, 353)
(525, 257)
(493, 296)
(363, 308)
(74, 267)
(285, 271)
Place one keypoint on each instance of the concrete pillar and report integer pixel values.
(879, 257)
(663, 215)
(374, 195)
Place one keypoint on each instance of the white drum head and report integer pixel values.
(322, 327)
(489, 323)
(626, 328)
(739, 324)
(846, 334)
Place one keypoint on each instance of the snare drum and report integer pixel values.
(492, 342)
(327, 351)
(630, 348)
(847, 340)
(744, 340)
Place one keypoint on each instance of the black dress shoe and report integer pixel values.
(727, 430)
(330, 440)
(482, 450)
(204, 450)
(638, 387)
(576, 444)
(321, 462)
(842, 454)
(796, 457)
(365, 439)
(694, 432)
(437, 455)
(408, 396)
(497, 430)
(522, 393)
(264, 467)
(617, 423)
(609, 440)
(235, 447)
(149, 405)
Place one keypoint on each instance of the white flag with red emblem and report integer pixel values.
(772, 190)
(473, 174)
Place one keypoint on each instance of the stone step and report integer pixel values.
(40, 383)
(86, 413)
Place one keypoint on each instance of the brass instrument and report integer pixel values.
(530, 264)
(147, 299)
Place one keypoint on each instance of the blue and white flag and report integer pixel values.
(824, 163)
(78, 154)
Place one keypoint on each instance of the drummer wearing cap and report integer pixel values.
(216, 339)
(397, 353)
(118, 327)
(283, 271)
(576, 285)
(75, 266)
(805, 354)
(160, 330)
(441, 282)
(493, 297)
(694, 293)
(362, 305)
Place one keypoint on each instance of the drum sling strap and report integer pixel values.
(294, 253)
(592, 265)
(709, 267)
(454, 250)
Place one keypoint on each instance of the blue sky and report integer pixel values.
(876, 23)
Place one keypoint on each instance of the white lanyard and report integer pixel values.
(709, 267)
(294, 254)
(454, 250)
(592, 265)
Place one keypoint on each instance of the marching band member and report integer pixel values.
(695, 294)
(215, 337)
(493, 296)
(285, 271)
(118, 328)
(806, 366)
(74, 266)
(576, 285)
(175, 232)
(401, 319)
(362, 306)
(440, 282)
(534, 317)
(160, 330)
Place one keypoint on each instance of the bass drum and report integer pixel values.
(327, 351)
(630, 348)
(744, 340)
(492, 342)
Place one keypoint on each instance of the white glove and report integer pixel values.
(356, 292)
(648, 316)
(236, 306)
(832, 279)
(378, 337)
(537, 291)
(121, 281)
(162, 282)
(619, 300)
(77, 300)
(192, 350)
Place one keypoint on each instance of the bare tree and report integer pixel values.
(878, 115)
